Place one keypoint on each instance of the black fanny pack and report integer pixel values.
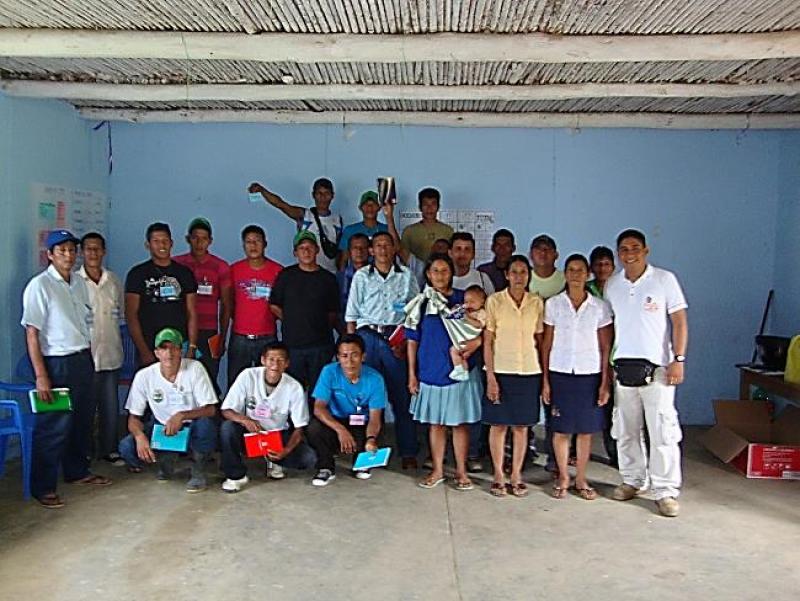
(330, 249)
(634, 372)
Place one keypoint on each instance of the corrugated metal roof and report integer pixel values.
(408, 16)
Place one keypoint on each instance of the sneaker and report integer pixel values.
(196, 484)
(668, 507)
(363, 474)
(624, 492)
(474, 465)
(459, 374)
(114, 459)
(275, 471)
(231, 485)
(323, 478)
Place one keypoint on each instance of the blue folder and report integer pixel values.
(178, 442)
(368, 460)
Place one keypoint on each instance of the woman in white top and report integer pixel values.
(575, 371)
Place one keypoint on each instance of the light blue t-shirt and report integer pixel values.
(345, 398)
(359, 228)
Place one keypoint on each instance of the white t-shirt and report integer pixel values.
(576, 349)
(641, 314)
(248, 396)
(333, 226)
(60, 310)
(473, 278)
(191, 389)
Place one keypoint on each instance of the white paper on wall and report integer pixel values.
(479, 223)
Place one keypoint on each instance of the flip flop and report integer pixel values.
(464, 485)
(51, 501)
(587, 493)
(429, 482)
(93, 479)
(559, 492)
(520, 489)
(498, 489)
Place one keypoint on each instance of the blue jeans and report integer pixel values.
(64, 437)
(305, 365)
(231, 435)
(202, 439)
(211, 364)
(395, 375)
(105, 398)
(244, 352)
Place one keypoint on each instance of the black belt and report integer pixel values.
(384, 331)
(255, 336)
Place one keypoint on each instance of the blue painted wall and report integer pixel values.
(786, 319)
(709, 201)
(45, 142)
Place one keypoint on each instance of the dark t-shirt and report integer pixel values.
(306, 297)
(162, 297)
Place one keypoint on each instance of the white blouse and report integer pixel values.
(576, 349)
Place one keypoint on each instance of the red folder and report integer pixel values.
(215, 346)
(258, 444)
(397, 337)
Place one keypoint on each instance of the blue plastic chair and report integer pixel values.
(14, 423)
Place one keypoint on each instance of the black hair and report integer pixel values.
(94, 236)
(601, 252)
(199, 225)
(275, 345)
(376, 234)
(442, 240)
(576, 257)
(503, 233)
(254, 229)
(358, 236)
(465, 236)
(350, 339)
(477, 290)
(439, 257)
(322, 182)
(429, 193)
(630, 233)
(520, 259)
(158, 226)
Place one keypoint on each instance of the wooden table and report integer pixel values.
(749, 377)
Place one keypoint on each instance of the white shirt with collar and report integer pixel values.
(60, 310)
(641, 314)
(474, 278)
(191, 389)
(249, 396)
(106, 298)
(576, 349)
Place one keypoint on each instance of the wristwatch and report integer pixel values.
(680, 358)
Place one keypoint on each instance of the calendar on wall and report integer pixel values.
(479, 223)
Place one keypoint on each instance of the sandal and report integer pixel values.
(134, 469)
(587, 493)
(430, 482)
(464, 485)
(559, 492)
(51, 501)
(498, 489)
(93, 479)
(519, 489)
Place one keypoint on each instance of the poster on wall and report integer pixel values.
(57, 207)
(479, 223)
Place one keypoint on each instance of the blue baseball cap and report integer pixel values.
(57, 237)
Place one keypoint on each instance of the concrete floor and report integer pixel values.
(736, 539)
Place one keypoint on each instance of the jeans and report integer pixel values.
(325, 441)
(305, 365)
(231, 434)
(64, 437)
(105, 398)
(395, 375)
(202, 439)
(244, 352)
(211, 364)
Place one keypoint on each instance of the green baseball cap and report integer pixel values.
(202, 223)
(169, 335)
(368, 196)
(302, 236)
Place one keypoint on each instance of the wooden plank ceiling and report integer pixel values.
(617, 63)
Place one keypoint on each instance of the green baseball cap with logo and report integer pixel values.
(302, 236)
(368, 196)
(169, 335)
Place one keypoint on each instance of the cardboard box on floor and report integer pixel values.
(747, 438)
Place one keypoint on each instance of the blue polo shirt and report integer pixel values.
(345, 398)
(360, 228)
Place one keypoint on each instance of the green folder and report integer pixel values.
(61, 401)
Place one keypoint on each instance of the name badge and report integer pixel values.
(205, 289)
(177, 398)
(358, 419)
(167, 291)
(262, 412)
(263, 291)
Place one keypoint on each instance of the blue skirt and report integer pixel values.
(519, 401)
(451, 405)
(574, 403)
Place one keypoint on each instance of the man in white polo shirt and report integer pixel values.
(265, 398)
(652, 333)
(178, 392)
(56, 314)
